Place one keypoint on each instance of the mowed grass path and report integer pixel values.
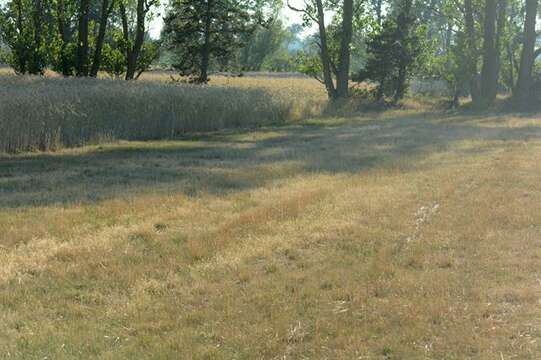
(406, 236)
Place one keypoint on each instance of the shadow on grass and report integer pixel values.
(232, 161)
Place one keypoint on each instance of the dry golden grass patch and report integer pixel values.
(405, 237)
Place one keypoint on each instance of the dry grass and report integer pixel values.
(402, 237)
(51, 113)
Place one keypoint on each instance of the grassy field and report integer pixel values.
(403, 235)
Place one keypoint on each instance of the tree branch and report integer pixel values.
(304, 11)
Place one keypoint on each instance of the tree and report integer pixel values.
(113, 60)
(511, 41)
(260, 45)
(106, 9)
(392, 50)
(471, 51)
(134, 37)
(24, 29)
(314, 13)
(342, 75)
(82, 37)
(491, 51)
(63, 50)
(525, 81)
(70, 36)
(199, 31)
(407, 48)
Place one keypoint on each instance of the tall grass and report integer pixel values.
(50, 113)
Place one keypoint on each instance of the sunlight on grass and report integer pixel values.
(403, 237)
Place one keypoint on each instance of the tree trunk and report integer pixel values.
(456, 97)
(324, 51)
(132, 52)
(489, 72)
(125, 29)
(342, 78)
(379, 12)
(61, 27)
(500, 30)
(448, 36)
(404, 23)
(205, 50)
(400, 84)
(106, 9)
(36, 61)
(525, 81)
(511, 60)
(82, 41)
(21, 58)
(471, 52)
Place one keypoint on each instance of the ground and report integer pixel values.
(399, 236)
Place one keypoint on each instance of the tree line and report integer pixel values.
(84, 37)
(479, 47)
(79, 37)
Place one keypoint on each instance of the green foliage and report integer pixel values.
(266, 43)
(449, 66)
(23, 28)
(62, 56)
(308, 60)
(200, 31)
(4, 53)
(393, 50)
(30, 30)
(150, 52)
(113, 60)
(260, 45)
(309, 64)
(284, 58)
(114, 56)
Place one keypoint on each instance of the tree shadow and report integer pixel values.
(232, 161)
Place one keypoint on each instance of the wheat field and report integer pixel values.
(405, 234)
(51, 113)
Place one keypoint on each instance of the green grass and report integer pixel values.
(404, 237)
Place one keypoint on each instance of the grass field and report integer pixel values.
(402, 235)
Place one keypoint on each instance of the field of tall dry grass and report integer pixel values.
(51, 113)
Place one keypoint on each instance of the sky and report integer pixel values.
(289, 17)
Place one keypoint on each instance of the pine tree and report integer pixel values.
(199, 31)
(392, 50)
